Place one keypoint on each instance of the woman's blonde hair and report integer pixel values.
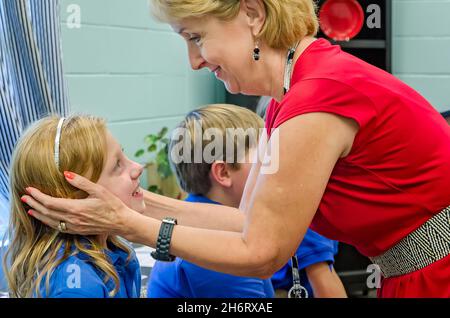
(238, 124)
(35, 249)
(287, 21)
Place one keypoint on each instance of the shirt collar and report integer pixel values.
(116, 255)
(200, 198)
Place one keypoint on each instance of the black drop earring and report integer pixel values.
(256, 52)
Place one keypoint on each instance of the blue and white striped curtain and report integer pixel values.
(31, 75)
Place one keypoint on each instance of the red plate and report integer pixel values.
(341, 20)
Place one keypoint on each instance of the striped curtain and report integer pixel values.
(31, 76)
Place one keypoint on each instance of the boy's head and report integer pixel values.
(212, 154)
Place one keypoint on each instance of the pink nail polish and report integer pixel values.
(69, 175)
(30, 212)
(24, 200)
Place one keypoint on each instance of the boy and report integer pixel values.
(219, 177)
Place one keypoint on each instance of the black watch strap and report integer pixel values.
(163, 243)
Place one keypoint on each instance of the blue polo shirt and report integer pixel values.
(76, 277)
(182, 279)
(314, 249)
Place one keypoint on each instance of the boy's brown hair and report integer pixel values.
(232, 122)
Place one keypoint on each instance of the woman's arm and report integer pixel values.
(280, 208)
(200, 215)
(206, 216)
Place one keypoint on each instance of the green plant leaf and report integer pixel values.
(164, 170)
(163, 132)
(152, 148)
(154, 189)
(162, 152)
(151, 139)
(139, 153)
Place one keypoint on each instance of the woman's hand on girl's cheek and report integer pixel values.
(100, 213)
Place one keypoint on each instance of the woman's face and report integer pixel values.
(225, 48)
(120, 176)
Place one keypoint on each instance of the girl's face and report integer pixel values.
(225, 48)
(120, 176)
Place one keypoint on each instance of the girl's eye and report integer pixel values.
(195, 39)
(118, 164)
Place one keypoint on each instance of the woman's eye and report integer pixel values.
(118, 164)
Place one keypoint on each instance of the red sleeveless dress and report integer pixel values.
(397, 175)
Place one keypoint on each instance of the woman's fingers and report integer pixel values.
(48, 202)
(44, 219)
(100, 213)
(51, 222)
(80, 182)
(36, 206)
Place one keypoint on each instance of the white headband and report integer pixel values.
(57, 139)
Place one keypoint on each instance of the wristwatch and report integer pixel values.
(163, 243)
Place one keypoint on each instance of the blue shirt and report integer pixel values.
(77, 278)
(314, 249)
(182, 279)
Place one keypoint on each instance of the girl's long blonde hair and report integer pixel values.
(35, 249)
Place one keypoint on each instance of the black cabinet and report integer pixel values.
(374, 42)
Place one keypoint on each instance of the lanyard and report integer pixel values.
(288, 68)
(297, 290)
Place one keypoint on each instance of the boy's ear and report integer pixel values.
(220, 174)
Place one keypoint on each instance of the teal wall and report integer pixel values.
(122, 65)
(421, 48)
(126, 67)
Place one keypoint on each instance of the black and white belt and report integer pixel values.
(424, 246)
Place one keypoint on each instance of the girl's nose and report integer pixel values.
(136, 172)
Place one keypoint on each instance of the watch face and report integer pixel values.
(170, 220)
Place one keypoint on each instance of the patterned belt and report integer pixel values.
(426, 245)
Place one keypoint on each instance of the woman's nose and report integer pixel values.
(196, 59)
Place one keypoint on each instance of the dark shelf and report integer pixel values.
(362, 44)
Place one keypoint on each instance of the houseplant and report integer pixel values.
(160, 177)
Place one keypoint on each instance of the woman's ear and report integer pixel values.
(220, 174)
(256, 14)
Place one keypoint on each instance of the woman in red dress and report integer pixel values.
(363, 158)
